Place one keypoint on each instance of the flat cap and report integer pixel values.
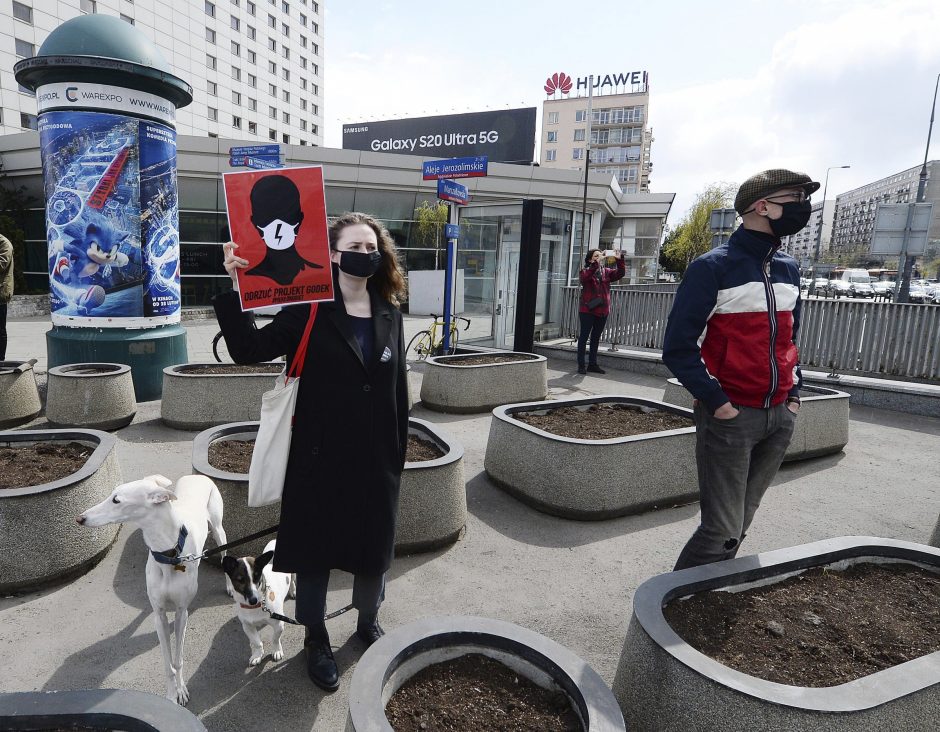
(763, 184)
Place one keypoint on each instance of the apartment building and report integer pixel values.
(256, 66)
(802, 245)
(620, 139)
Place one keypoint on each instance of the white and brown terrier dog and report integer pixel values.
(259, 591)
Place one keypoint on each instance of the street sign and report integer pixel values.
(448, 190)
(255, 151)
(722, 219)
(455, 168)
(262, 163)
(451, 231)
(890, 223)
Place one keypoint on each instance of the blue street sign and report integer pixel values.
(455, 168)
(262, 163)
(448, 190)
(451, 231)
(255, 151)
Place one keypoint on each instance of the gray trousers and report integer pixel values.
(736, 458)
(368, 594)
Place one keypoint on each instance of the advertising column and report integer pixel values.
(108, 150)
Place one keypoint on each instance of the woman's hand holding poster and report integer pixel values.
(278, 219)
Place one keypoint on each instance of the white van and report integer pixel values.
(859, 283)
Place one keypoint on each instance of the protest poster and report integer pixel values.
(278, 220)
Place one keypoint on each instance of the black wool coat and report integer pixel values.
(347, 452)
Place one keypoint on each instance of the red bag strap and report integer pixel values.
(297, 365)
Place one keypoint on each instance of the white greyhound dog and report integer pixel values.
(174, 524)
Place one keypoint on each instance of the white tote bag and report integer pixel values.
(272, 443)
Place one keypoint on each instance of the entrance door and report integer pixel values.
(507, 275)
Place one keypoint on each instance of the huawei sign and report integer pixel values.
(558, 83)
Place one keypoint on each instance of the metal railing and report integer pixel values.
(882, 339)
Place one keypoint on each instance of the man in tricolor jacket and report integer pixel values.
(730, 340)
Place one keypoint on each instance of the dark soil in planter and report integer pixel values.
(420, 450)
(820, 628)
(42, 463)
(485, 359)
(231, 369)
(603, 421)
(232, 456)
(474, 692)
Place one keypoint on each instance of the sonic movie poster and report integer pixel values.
(278, 219)
(111, 219)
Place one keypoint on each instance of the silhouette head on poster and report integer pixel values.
(276, 213)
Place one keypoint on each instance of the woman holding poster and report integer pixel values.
(350, 433)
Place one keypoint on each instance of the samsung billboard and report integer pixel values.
(504, 136)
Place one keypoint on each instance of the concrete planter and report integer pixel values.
(591, 479)
(662, 683)
(935, 537)
(197, 401)
(94, 395)
(40, 542)
(822, 427)
(240, 519)
(400, 654)
(19, 396)
(432, 505)
(131, 711)
(450, 387)
(411, 398)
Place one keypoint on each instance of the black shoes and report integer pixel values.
(321, 666)
(582, 370)
(369, 630)
(595, 369)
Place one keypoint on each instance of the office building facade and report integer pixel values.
(256, 66)
(620, 139)
(854, 218)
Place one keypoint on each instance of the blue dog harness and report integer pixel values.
(173, 556)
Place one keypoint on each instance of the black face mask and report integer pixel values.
(795, 217)
(360, 264)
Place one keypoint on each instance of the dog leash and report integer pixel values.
(284, 618)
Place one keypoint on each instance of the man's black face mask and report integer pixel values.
(795, 216)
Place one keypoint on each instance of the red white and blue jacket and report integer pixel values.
(732, 329)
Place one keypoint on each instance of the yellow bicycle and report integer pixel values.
(430, 342)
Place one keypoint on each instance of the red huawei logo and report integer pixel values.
(558, 82)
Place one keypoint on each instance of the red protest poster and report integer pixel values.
(278, 219)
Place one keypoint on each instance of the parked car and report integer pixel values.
(837, 288)
(884, 288)
(861, 289)
(917, 294)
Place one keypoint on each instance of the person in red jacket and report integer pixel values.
(595, 303)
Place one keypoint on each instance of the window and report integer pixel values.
(303, 104)
(272, 112)
(252, 9)
(88, 6)
(303, 142)
(210, 35)
(303, 19)
(316, 109)
(272, 21)
(24, 49)
(253, 128)
(316, 50)
(286, 95)
(303, 41)
(272, 44)
(285, 72)
(316, 69)
(236, 49)
(303, 83)
(22, 12)
(252, 33)
(315, 129)
(272, 134)
(316, 28)
(303, 62)
(236, 122)
(252, 58)
(236, 3)
(579, 135)
(272, 67)
(210, 9)
(272, 90)
(236, 24)
(286, 138)
(285, 29)
(285, 52)
(28, 121)
(213, 114)
(236, 73)
(577, 153)
(552, 136)
(213, 134)
(252, 81)
(213, 89)
(286, 117)
(284, 6)
(303, 125)
(211, 62)
(236, 97)
(549, 155)
(580, 115)
(316, 89)
(252, 104)
(553, 118)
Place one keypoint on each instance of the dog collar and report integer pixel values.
(172, 556)
(250, 607)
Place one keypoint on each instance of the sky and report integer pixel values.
(736, 86)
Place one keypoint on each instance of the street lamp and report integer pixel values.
(822, 220)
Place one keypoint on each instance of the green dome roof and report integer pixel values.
(103, 35)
